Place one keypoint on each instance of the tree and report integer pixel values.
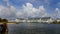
(5, 20)
(55, 22)
(0, 19)
(58, 22)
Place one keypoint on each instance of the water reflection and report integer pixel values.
(34, 28)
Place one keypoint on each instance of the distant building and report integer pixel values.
(46, 19)
(33, 20)
(58, 19)
(20, 20)
(37, 20)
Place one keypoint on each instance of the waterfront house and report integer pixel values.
(20, 20)
(35, 20)
(58, 19)
(46, 19)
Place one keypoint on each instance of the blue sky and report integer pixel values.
(29, 8)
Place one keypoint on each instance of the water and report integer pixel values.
(34, 28)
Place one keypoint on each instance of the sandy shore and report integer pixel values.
(9, 23)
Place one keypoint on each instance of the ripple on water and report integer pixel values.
(34, 28)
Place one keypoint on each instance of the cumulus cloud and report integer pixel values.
(57, 12)
(6, 0)
(7, 11)
(30, 11)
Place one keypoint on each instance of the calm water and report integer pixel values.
(34, 28)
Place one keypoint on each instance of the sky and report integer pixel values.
(29, 8)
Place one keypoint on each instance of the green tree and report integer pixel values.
(5, 20)
(0, 19)
(55, 22)
(58, 22)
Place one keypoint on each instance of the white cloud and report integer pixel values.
(19, 15)
(7, 11)
(1, 7)
(27, 10)
(6, 0)
(57, 13)
(30, 11)
(57, 9)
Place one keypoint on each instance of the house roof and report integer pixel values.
(45, 17)
(58, 18)
(20, 18)
(33, 18)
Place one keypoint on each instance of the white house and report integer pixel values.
(33, 20)
(37, 20)
(58, 19)
(20, 20)
(46, 19)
